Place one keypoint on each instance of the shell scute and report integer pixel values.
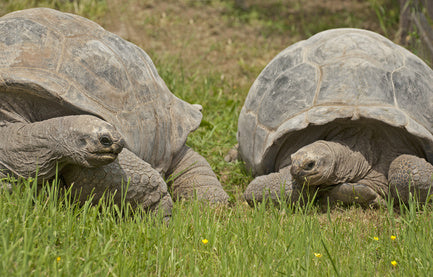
(29, 45)
(364, 44)
(282, 62)
(100, 60)
(355, 81)
(292, 91)
(411, 86)
(66, 24)
(138, 64)
(320, 115)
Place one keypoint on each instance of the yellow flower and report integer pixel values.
(205, 241)
(393, 237)
(375, 238)
(58, 259)
(318, 255)
(394, 263)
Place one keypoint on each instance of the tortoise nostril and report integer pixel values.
(105, 140)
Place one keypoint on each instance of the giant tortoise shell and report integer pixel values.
(336, 74)
(54, 65)
(74, 66)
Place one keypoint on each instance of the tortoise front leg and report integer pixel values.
(270, 187)
(409, 174)
(350, 193)
(146, 186)
(191, 174)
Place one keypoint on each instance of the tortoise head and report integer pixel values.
(91, 141)
(314, 163)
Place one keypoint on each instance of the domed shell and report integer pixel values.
(335, 74)
(56, 64)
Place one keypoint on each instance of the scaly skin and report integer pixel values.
(191, 174)
(350, 193)
(343, 175)
(409, 174)
(269, 187)
(146, 188)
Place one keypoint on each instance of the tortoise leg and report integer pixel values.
(350, 193)
(191, 174)
(274, 186)
(410, 174)
(146, 186)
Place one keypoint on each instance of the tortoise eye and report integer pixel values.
(310, 165)
(105, 140)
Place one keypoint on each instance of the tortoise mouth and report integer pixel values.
(108, 154)
(101, 158)
(102, 155)
(314, 177)
(310, 178)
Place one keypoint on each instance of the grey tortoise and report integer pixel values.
(346, 115)
(82, 101)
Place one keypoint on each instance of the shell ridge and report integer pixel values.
(96, 100)
(393, 85)
(148, 69)
(319, 73)
(156, 137)
(118, 58)
(56, 94)
(289, 49)
(18, 69)
(62, 53)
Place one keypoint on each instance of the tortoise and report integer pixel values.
(346, 115)
(82, 101)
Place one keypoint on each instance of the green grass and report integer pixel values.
(221, 102)
(49, 234)
(93, 9)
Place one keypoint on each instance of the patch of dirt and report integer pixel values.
(233, 38)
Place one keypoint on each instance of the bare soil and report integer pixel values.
(233, 38)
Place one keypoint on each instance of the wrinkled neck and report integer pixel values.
(350, 164)
(27, 149)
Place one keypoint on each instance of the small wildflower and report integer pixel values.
(58, 259)
(393, 237)
(375, 238)
(394, 263)
(205, 241)
(318, 255)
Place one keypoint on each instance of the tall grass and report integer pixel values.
(47, 233)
